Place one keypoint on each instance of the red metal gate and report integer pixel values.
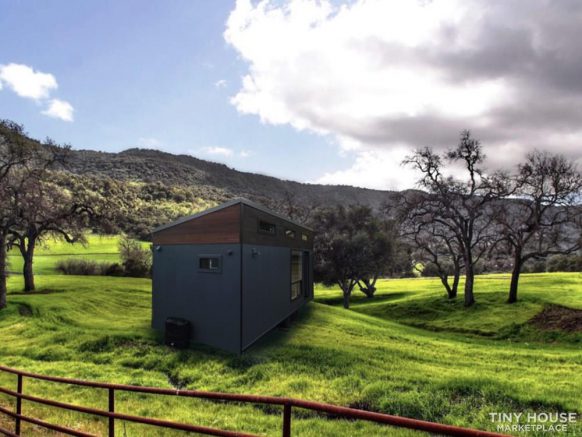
(286, 403)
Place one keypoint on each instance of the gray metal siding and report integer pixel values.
(266, 292)
(210, 301)
(250, 233)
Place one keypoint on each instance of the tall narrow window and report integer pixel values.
(296, 274)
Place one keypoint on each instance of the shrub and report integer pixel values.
(83, 267)
(137, 261)
(115, 269)
(534, 266)
(565, 263)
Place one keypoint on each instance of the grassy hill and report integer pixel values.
(408, 351)
(419, 302)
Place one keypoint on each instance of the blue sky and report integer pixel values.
(148, 74)
(330, 91)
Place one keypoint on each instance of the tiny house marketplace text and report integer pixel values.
(534, 422)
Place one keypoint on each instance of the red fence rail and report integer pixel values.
(287, 405)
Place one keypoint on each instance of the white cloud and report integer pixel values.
(218, 151)
(35, 85)
(222, 83)
(383, 76)
(379, 169)
(59, 109)
(315, 66)
(26, 82)
(223, 152)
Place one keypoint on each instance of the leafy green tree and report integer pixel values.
(352, 247)
(47, 209)
(20, 158)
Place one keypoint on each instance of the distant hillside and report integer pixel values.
(156, 166)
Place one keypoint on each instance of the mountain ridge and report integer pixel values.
(151, 165)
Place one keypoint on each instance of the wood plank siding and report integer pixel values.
(222, 226)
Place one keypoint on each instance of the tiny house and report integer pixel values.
(234, 272)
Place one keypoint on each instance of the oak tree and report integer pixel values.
(542, 217)
(459, 205)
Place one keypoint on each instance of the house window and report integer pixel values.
(267, 228)
(296, 274)
(290, 233)
(209, 263)
(304, 237)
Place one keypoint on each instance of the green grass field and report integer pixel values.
(97, 248)
(408, 351)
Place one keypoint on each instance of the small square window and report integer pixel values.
(209, 263)
(290, 233)
(267, 228)
(304, 237)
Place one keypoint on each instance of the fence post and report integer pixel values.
(18, 405)
(287, 419)
(111, 410)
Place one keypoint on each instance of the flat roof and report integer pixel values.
(226, 205)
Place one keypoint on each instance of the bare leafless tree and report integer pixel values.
(541, 219)
(436, 246)
(291, 206)
(459, 206)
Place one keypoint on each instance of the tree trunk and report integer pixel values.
(469, 280)
(346, 300)
(455, 287)
(27, 270)
(3, 272)
(347, 287)
(369, 287)
(515, 277)
(445, 280)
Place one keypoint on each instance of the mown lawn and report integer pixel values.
(407, 351)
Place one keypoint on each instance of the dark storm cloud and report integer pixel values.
(534, 47)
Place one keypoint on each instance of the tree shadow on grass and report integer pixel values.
(36, 292)
(25, 310)
(361, 299)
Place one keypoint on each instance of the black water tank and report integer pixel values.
(178, 332)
